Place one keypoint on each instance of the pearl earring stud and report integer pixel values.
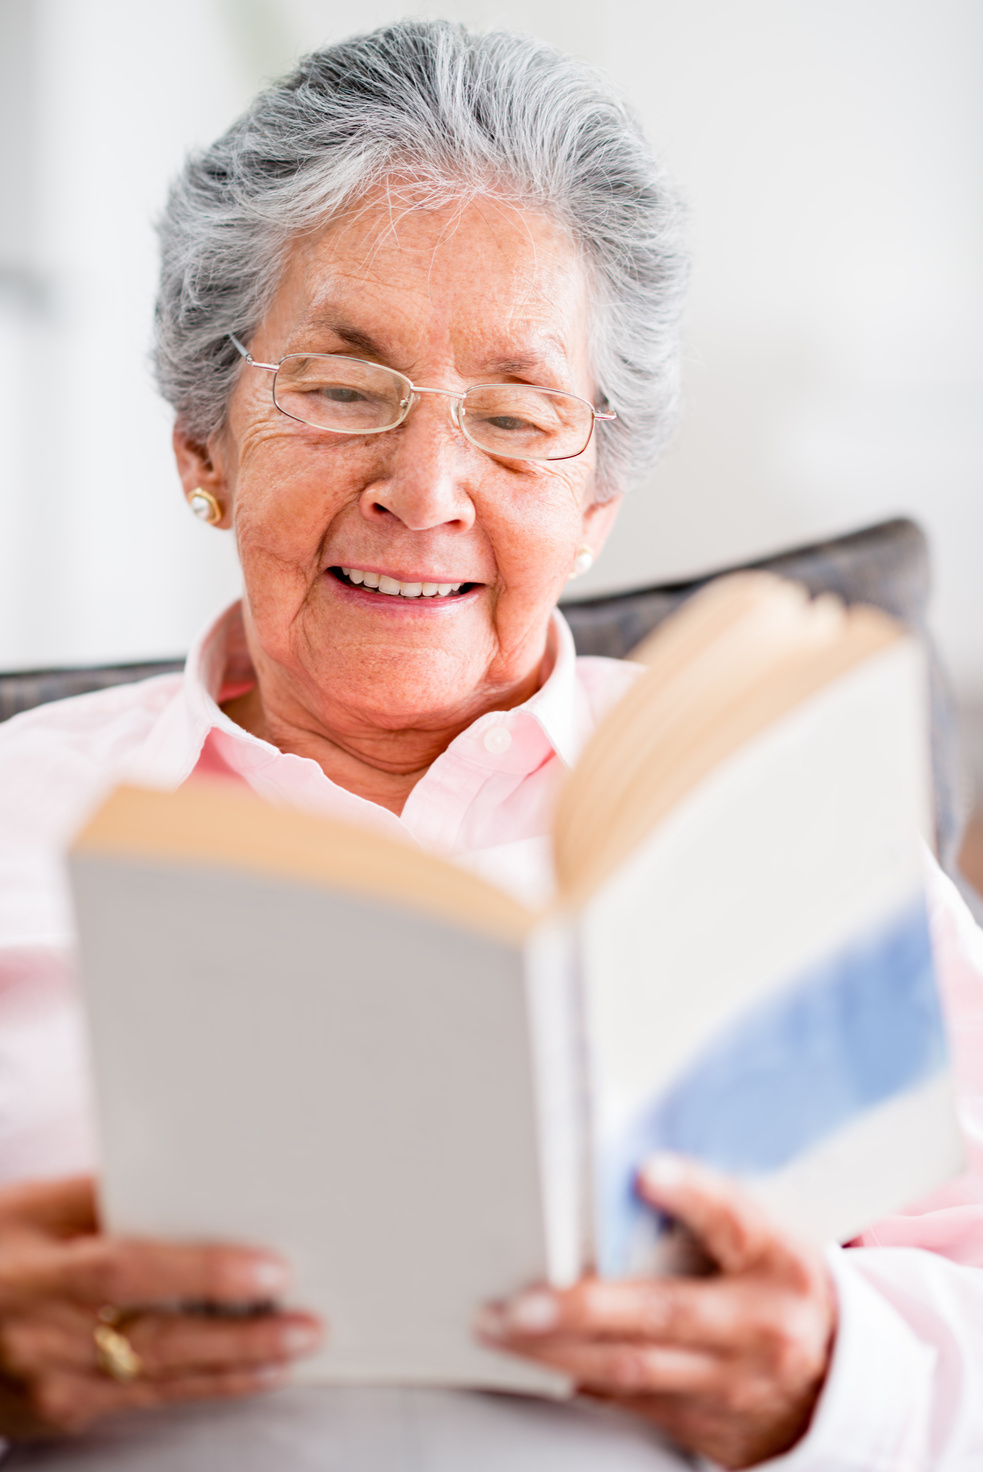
(583, 562)
(206, 506)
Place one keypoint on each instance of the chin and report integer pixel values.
(409, 693)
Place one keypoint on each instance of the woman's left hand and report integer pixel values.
(730, 1365)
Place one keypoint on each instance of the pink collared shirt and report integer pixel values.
(905, 1392)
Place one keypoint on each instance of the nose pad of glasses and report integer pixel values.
(405, 405)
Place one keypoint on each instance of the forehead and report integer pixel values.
(468, 278)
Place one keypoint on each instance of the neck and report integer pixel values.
(381, 765)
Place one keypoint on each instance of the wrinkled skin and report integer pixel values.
(730, 1364)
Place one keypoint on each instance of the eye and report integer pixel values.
(337, 393)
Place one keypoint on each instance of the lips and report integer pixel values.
(388, 587)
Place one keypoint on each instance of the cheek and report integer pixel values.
(287, 495)
(536, 532)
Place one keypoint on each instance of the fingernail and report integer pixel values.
(270, 1375)
(490, 1322)
(533, 1313)
(301, 1338)
(663, 1170)
(268, 1276)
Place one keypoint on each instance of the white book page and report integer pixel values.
(803, 845)
(347, 1083)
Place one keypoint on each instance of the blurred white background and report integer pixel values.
(830, 152)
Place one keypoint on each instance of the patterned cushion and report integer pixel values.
(25, 690)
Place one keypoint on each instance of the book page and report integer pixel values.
(738, 656)
(759, 981)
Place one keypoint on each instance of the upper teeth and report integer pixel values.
(382, 584)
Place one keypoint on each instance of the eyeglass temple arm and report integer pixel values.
(248, 355)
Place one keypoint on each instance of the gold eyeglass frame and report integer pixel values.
(412, 398)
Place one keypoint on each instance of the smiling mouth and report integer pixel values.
(373, 582)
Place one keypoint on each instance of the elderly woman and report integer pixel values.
(418, 325)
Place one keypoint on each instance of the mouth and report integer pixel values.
(387, 587)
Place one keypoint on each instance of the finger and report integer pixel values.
(730, 1225)
(705, 1314)
(63, 1206)
(628, 1369)
(57, 1338)
(131, 1273)
(168, 1345)
(175, 1346)
(69, 1402)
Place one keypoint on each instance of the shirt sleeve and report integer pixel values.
(45, 1091)
(905, 1389)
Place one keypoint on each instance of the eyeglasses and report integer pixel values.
(516, 421)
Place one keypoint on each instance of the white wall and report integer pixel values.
(831, 153)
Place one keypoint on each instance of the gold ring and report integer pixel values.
(115, 1355)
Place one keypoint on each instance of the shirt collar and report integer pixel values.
(557, 706)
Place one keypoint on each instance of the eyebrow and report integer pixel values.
(350, 335)
(516, 365)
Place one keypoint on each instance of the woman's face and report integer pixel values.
(450, 298)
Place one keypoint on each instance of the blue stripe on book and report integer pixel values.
(857, 1028)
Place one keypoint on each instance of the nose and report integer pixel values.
(428, 471)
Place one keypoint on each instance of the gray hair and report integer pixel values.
(460, 114)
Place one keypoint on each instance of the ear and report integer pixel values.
(598, 521)
(203, 466)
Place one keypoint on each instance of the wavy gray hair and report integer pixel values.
(458, 114)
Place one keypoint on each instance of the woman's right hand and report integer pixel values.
(57, 1271)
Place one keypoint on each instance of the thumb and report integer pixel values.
(61, 1207)
(729, 1225)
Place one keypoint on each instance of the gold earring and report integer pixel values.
(583, 562)
(206, 506)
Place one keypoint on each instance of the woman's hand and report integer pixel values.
(731, 1365)
(57, 1272)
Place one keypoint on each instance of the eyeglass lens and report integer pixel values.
(514, 420)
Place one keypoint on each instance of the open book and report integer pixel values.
(310, 1036)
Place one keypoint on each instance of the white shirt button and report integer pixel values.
(496, 740)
